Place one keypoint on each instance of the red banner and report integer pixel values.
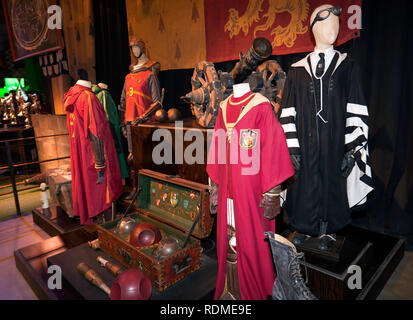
(231, 25)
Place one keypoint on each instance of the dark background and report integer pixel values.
(384, 52)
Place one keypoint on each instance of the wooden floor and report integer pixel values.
(21, 232)
(14, 234)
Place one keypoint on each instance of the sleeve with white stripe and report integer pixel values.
(359, 182)
(287, 119)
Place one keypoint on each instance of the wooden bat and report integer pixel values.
(90, 275)
(113, 268)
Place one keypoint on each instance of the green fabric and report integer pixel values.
(112, 114)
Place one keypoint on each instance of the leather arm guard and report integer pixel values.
(148, 113)
(122, 111)
(348, 163)
(213, 198)
(296, 159)
(271, 202)
(98, 150)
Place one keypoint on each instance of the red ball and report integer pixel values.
(145, 234)
(131, 285)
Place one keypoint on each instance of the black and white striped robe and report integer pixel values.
(320, 190)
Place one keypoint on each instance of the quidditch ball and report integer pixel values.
(174, 114)
(145, 234)
(131, 285)
(166, 248)
(161, 115)
(125, 226)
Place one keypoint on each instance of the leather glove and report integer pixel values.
(271, 203)
(348, 163)
(213, 198)
(124, 133)
(101, 174)
(296, 159)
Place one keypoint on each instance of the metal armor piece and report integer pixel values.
(166, 248)
(289, 284)
(145, 234)
(98, 150)
(125, 226)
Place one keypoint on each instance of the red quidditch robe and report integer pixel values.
(257, 129)
(84, 112)
(138, 97)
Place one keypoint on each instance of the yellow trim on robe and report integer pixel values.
(256, 100)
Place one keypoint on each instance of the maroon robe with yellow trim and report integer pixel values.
(84, 113)
(258, 136)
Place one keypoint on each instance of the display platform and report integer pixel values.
(197, 286)
(376, 254)
(31, 261)
(59, 223)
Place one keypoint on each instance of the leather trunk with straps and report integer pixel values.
(179, 208)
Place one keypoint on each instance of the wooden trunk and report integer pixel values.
(143, 145)
(172, 205)
(60, 186)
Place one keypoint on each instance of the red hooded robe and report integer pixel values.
(256, 128)
(84, 112)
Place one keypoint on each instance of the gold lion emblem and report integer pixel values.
(298, 9)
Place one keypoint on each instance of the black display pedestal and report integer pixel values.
(58, 224)
(376, 255)
(196, 286)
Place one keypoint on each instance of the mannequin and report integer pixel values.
(328, 146)
(102, 93)
(246, 203)
(141, 88)
(84, 83)
(241, 89)
(140, 92)
(96, 179)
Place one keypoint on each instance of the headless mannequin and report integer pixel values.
(241, 89)
(103, 86)
(84, 83)
(97, 144)
(232, 290)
